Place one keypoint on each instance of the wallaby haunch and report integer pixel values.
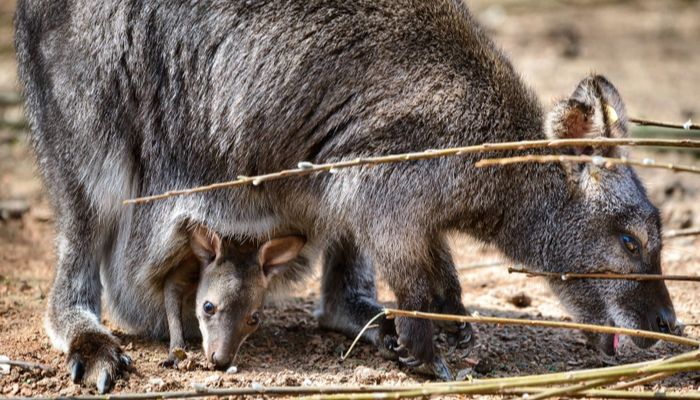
(230, 279)
(127, 99)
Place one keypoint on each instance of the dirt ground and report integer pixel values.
(649, 49)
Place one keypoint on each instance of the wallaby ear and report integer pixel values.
(595, 109)
(206, 244)
(277, 253)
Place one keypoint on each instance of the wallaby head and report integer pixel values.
(231, 292)
(607, 223)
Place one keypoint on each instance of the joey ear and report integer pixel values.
(205, 244)
(275, 254)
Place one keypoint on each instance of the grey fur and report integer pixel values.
(131, 98)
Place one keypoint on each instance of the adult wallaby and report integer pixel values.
(135, 98)
(230, 279)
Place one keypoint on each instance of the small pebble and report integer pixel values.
(232, 370)
(256, 386)
(4, 368)
(521, 300)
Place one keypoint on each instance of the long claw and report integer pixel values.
(441, 370)
(104, 382)
(410, 362)
(77, 370)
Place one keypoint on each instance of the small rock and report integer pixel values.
(464, 374)
(484, 366)
(157, 382)
(212, 379)
(13, 209)
(256, 386)
(521, 300)
(4, 368)
(232, 370)
(366, 376)
(307, 382)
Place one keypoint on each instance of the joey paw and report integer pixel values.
(96, 358)
(174, 357)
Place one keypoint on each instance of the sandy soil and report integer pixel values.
(649, 49)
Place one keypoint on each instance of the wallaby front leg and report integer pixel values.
(447, 295)
(73, 317)
(408, 274)
(173, 309)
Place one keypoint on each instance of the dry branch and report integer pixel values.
(644, 122)
(610, 276)
(681, 233)
(596, 160)
(28, 366)
(306, 168)
(389, 312)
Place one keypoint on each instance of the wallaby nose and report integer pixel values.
(220, 359)
(666, 320)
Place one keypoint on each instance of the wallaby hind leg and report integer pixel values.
(349, 296)
(447, 295)
(73, 317)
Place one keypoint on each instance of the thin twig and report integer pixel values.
(642, 381)
(596, 160)
(359, 335)
(565, 391)
(645, 122)
(610, 276)
(306, 168)
(495, 386)
(28, 366)
(613, 394)
(681, 233)
(480, 265)
(547, 324)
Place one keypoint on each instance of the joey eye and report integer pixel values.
(209, 308)
(631, 244)
(254, 319)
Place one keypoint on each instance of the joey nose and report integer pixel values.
(220, 359)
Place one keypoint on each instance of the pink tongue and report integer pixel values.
(616, 341)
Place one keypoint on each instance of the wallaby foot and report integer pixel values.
(416, 350)
(97, 357)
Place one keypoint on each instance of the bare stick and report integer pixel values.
(642, 381)
(681, 233)
(610, 276)
(468, 267)
(645, 122)
(359, 335)
(565, 391)
(613, 394)
(596, 160)
(28, 366)
(547, 324)
(306, 168)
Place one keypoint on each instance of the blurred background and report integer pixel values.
(650, 49)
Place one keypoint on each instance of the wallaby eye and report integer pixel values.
(631, 244)
(209, 308)
(254, 319)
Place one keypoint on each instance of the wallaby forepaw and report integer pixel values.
(98, 359)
